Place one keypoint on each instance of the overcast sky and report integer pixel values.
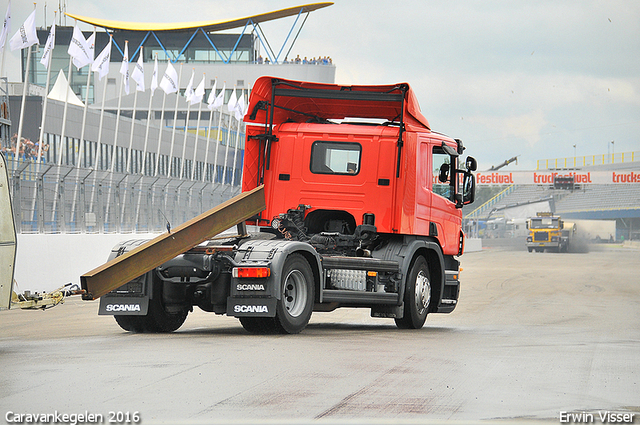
(528, 78)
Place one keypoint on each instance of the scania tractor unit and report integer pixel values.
(353, 201)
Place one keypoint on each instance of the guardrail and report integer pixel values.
(65, 199)
(588, 160)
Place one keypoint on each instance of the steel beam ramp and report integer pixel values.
(163, 248)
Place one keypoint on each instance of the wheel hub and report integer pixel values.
(423, 292)
(294, 293)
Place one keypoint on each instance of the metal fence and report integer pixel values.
(49, 198)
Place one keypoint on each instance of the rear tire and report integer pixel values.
(417, 296)
(130, 323)
(295, 305)
(259, 325)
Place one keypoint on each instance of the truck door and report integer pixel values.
(443, 207)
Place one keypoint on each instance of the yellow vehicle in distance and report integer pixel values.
(549, 232)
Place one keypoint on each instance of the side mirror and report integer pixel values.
(471, 164)
(468, 188)
(444, 173)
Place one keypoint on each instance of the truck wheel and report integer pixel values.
(130, 323)
(259, 325)
(158, 318)
(417, 296)
(530, 249)
(294, 308)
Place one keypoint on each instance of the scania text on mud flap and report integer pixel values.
(356, 202)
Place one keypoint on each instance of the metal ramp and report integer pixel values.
(163, 248)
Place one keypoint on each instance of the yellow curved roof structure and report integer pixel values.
(209, 26)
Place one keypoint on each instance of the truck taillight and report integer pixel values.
(251, 272)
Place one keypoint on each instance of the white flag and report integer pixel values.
(79, 49)
(198, 94)
(240, 108)
(25, 36)
(154, 77)
(124, 68)
(169, 82)
(212, 95)
(220, 98)
(91, 41)
(138, 73)
(232, 100)
(6, 27)
(51, 41)
(101, 64)
(188, 93)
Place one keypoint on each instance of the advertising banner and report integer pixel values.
(549, 177)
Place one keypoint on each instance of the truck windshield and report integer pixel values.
(544, 223)
(335, 157)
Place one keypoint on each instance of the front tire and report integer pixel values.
(417, 296)
(295, 305)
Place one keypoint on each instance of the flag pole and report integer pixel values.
(104, 95)
(235, 154)
(115, 134)
(133, 122)
(195, 147)
(84, 122)
(115, 142)
(160, 128)
(44, 106)
(186, 133)
(219, 137)
(212, 97)
(146, 132)
(64, 112)
(175, 118)
(230, 109)
(226, 152)
(24, 96)
(86, 107)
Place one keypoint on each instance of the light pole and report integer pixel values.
(574, 155)
(613, 151)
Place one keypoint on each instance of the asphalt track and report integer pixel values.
(535, 337)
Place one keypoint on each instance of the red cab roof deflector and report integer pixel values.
(300, 101)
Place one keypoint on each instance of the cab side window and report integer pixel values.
(441, 170)
(335, 157)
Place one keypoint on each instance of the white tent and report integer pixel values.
(60, 87)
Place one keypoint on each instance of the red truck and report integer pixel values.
(362, 208)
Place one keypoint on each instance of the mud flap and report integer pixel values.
(123, 306)
(251, 307)
(7, 238)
